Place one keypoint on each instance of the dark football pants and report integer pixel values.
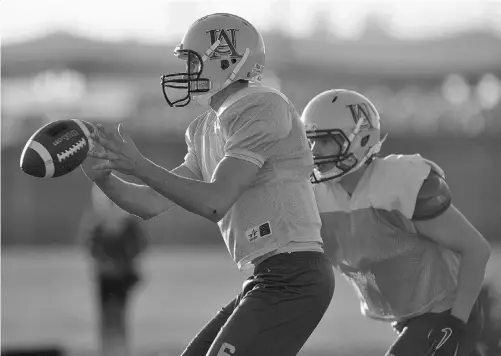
(279, 307)
(413, 340)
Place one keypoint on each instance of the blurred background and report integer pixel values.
(433, 68)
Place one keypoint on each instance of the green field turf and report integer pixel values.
(47, 299)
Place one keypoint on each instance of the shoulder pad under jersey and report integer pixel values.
(395, 182)
(433, 198)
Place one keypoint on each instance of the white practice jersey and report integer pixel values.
(260, 125)
(370, 237)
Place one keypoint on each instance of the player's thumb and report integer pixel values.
(123, 133)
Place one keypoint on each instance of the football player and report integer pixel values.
(390, 228)
(247, 169)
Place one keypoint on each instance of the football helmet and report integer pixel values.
(349, 119)
(219, 49)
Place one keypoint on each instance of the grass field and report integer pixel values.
(47, 299)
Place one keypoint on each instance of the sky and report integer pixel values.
(166, 20)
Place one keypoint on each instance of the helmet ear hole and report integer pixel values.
(224, 64)
(233, 61)
(364, 140)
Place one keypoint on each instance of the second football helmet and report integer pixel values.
(219, 49)
(352, 121)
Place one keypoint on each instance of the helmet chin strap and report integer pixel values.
(204, 99)
(210, 50)
(236, 69)
(372, 151)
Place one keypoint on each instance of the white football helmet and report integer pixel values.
(219, 49)
(352, 121)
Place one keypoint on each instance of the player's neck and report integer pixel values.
(218, 99)
(350, 181)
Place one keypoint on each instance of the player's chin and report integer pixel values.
(324, 168)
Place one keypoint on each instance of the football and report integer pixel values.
(57, 148)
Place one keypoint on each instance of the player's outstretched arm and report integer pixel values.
(211, 200)
(436, 218)
(137, 199)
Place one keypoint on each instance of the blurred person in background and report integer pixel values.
(389, 227)
(114, 240)
(247, 169)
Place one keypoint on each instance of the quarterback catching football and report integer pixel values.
(247, 168)
(389, 227)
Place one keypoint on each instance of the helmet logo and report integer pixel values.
(362, 111)
(227, 46)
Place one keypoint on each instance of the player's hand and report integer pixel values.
(444, 338)
(87, 165)
(93, 174)
(120, 152)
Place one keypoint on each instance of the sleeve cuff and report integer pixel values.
(247, 156)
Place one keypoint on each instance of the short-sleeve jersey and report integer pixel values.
(371, 238)
(259, 125)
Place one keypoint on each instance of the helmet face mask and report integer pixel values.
(189, 82)
(325, 158)
(219, 49)
(340, 167)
